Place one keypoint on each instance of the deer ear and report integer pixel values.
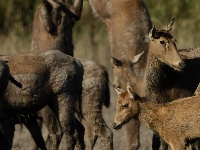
(130, 90)
(137, 57)
(119, 90)
(116, 62)
(152, 33)
(169, 26)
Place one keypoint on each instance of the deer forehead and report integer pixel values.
(123, 98)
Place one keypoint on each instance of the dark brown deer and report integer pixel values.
(95, 85)
(48, 78)
(176, 122)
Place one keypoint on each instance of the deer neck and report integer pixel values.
(127, 28)
(154, 76)
(59, 38)
(149, 115)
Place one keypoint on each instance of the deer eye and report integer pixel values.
(125, 106)
(163, 43)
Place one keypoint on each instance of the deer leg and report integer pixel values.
(79, 135)
(35, 130)
(90, 138)
(155, 142)
(132, 133)
(7, 129)
(65, 111)
(53, 125)
(105, 135)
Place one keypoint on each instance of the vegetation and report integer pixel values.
(90, 36)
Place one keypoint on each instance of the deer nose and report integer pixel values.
(114, 125)
(182, 65)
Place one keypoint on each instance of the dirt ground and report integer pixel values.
(22, 139)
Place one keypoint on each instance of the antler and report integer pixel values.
(169, 26)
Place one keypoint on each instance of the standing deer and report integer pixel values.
(48, 78)
(176, 122)
(128, 24)
(95, 92)
(160, 84)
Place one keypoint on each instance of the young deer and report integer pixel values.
(176, 122)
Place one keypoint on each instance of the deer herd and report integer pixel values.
(156, 83)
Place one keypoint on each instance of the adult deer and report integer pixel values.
(160, 83)
(48, 78)
(128, 23)
(95, 83)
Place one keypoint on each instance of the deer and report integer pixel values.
(95, 85)
(48, 78)
(177, 122)
(8, 120)
(128, 24)
(159, 83)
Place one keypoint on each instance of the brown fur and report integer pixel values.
(57, 83)
(8, 120)
(160, 83)
(95, 81)
(128, 24)
(176, 122)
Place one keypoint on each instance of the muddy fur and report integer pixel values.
(95, 85)
(48, 78)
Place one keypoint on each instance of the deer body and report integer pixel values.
(95, 85)
(128, 23)
(176, 122)
(48, 78)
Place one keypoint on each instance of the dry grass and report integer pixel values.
(94, 47)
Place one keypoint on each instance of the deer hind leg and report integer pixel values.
(96, 128)
(53, 126)
(35, 130)
(90, 137)
(66, 113)
(105, 135)
(79, 135)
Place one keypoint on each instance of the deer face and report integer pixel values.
(163, 47)
(126, 108)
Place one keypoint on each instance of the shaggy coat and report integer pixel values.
(95, 84)
(176, 122)
(48, 78)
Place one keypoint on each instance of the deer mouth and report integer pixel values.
(117, 126)
(180, 66)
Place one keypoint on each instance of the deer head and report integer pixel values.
(163, 46)
(53, 25)
(126, 107)
(55, 14)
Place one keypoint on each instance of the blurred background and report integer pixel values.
(90, 40)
